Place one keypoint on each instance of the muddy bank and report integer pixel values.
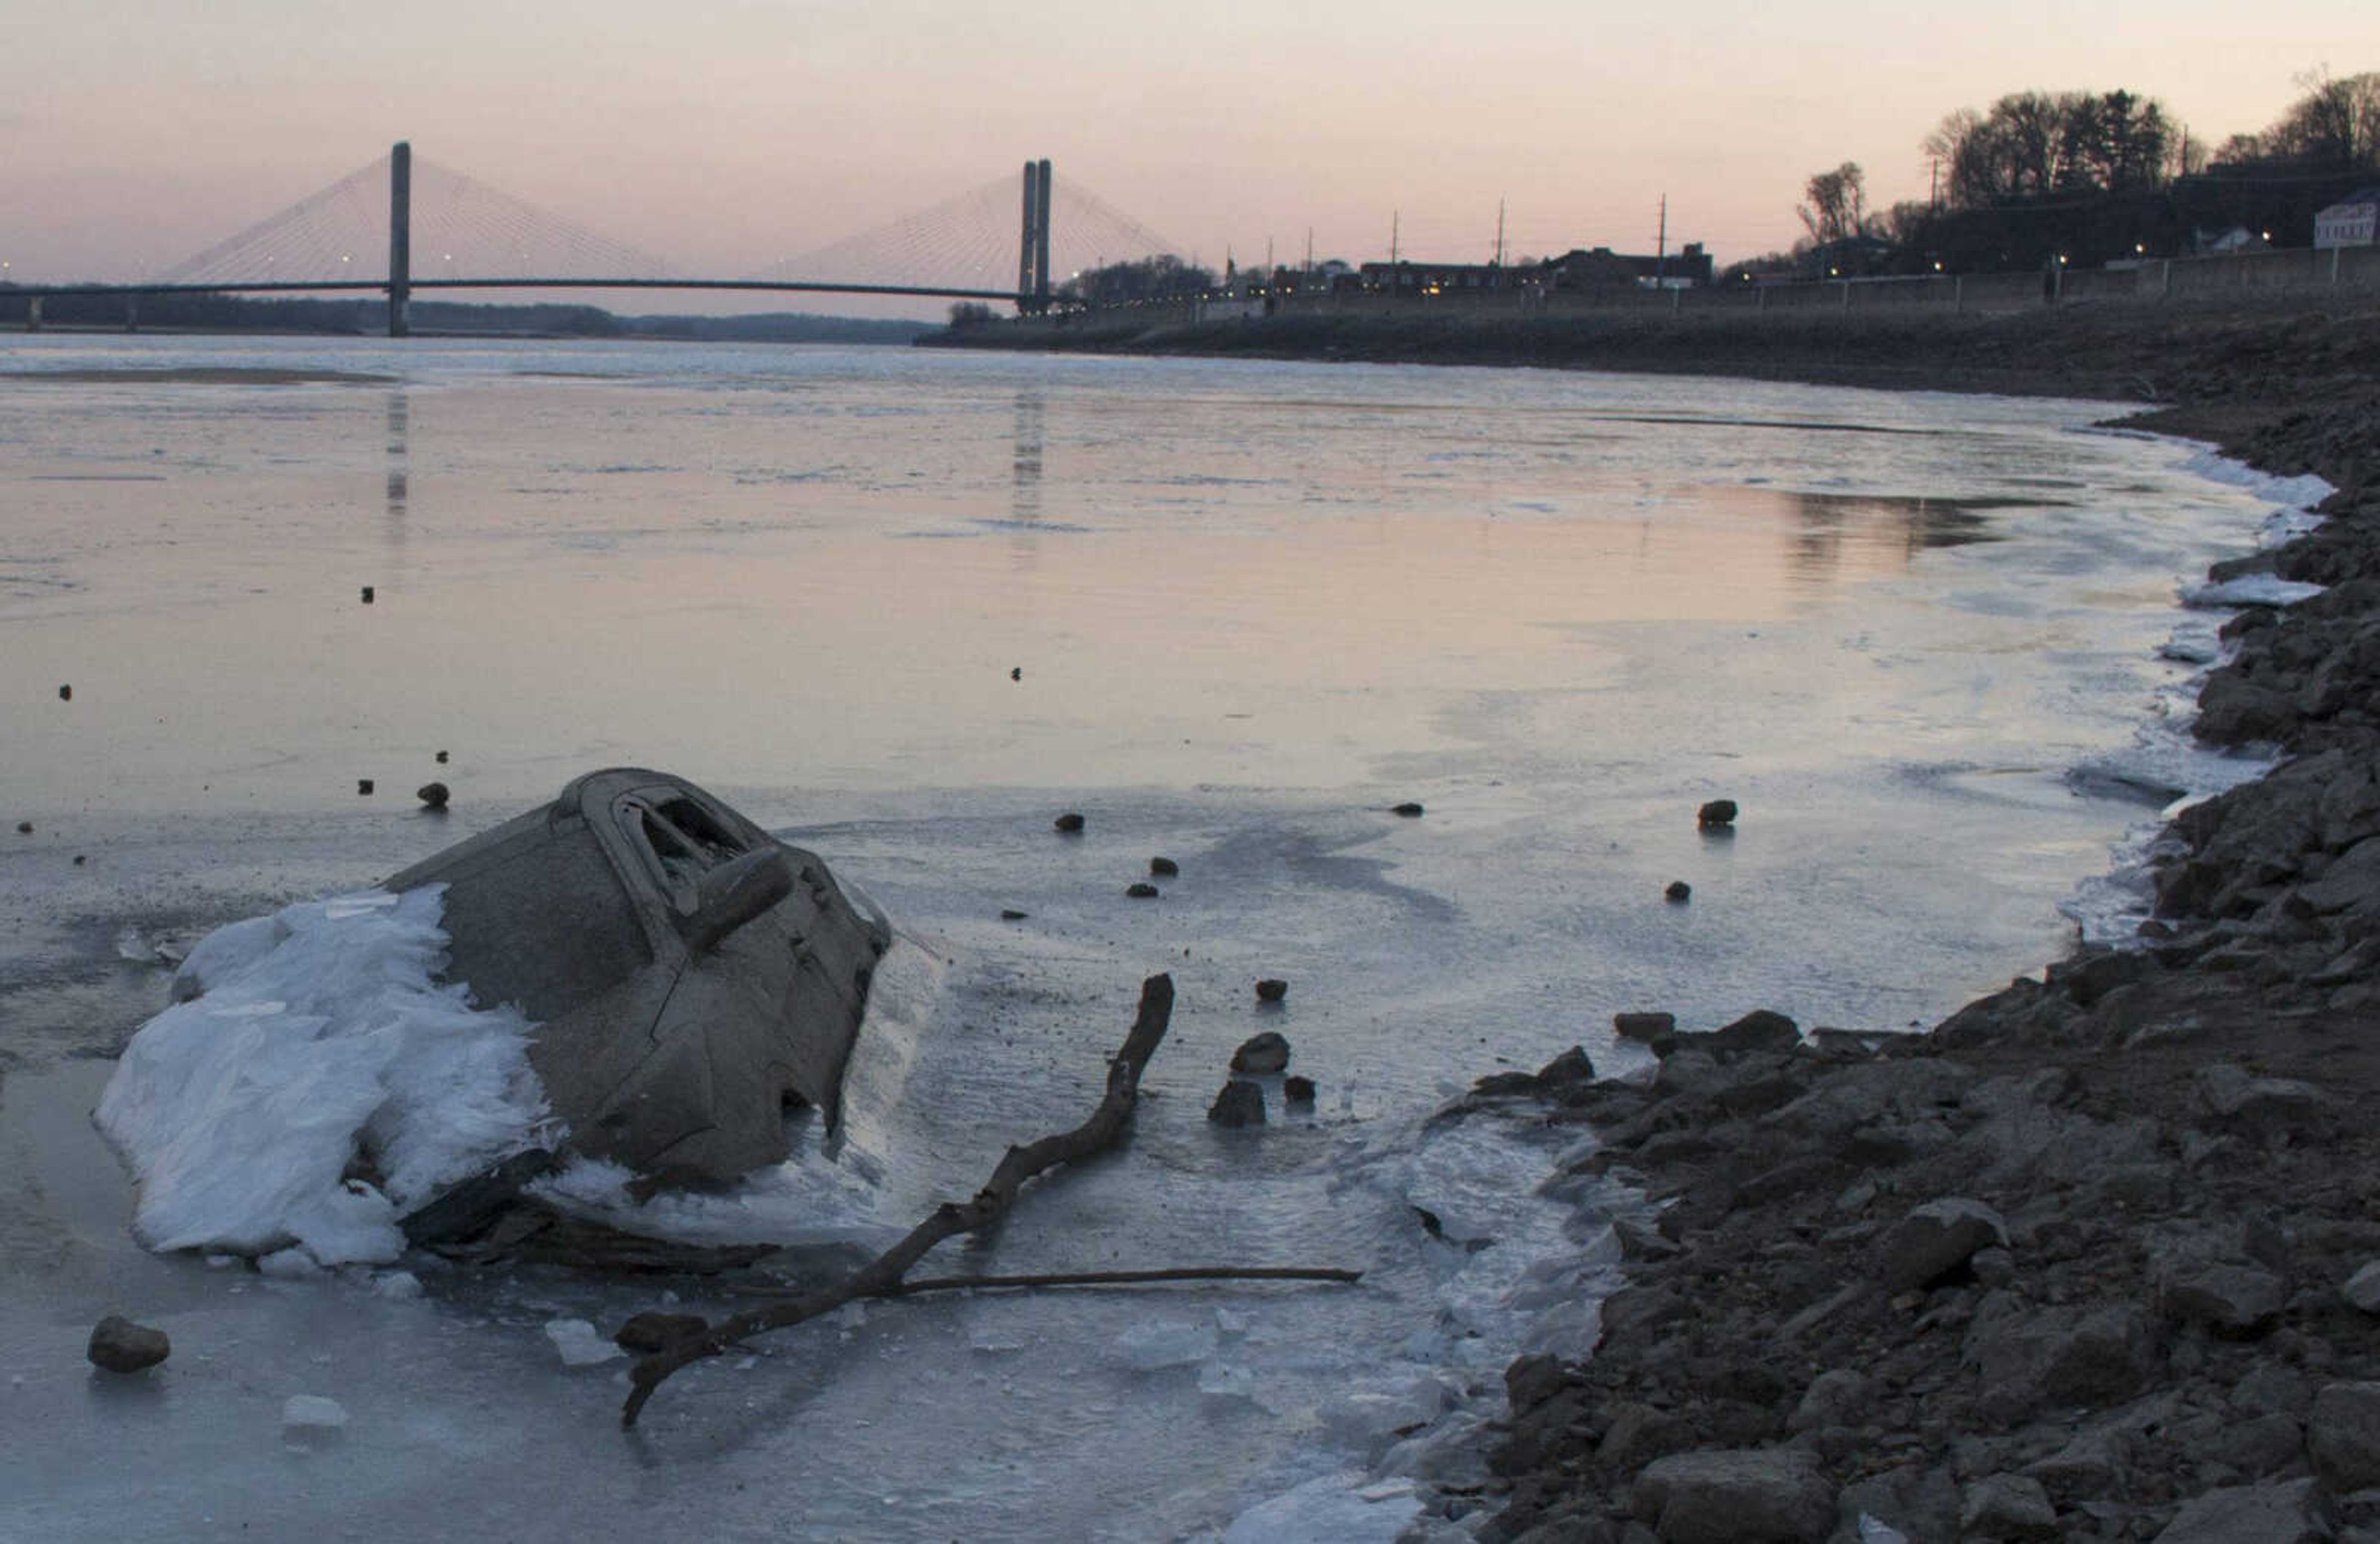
(2098, 1257)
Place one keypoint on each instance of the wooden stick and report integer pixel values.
(1094, 1135)
(1087, 1278)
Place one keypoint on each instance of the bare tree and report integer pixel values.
(2336, 123)
(1837, 206)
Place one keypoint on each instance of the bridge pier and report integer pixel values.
(400, 238)
(1033, 246)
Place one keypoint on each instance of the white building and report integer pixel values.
(2351, 222)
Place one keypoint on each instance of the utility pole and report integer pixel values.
(1309, 249)
(1395, 215)
(1661, 246)
(1933, 186)
(1499, 233)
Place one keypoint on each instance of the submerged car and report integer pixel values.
(692, 977)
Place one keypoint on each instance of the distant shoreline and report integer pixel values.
(2194, 352)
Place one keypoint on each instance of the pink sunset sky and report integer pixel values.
(723, 134)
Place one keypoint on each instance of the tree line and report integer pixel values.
(2085, 176)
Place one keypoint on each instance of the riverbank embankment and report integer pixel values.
(2098, 1257)
(2278, 353)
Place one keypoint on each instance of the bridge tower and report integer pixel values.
(400, 238)
(1033, 247)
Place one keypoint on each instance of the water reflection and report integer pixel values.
(1032, 407)
(400, 438)
(1839, 536)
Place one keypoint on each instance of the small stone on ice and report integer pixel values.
(1262, 1053)
(312, 1413)
(580, 1343)
(120, 1346)
(1241, 1103)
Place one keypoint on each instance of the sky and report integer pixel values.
(726, 134)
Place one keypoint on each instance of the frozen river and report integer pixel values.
(906, 607)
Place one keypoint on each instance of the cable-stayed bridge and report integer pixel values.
(403, 225)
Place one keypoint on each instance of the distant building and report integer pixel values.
(1583, 269)
(2353, 221)
(1578, 269)
(1442, 278)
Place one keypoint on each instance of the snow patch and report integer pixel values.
(303, 1047)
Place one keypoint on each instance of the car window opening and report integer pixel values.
(687, 842)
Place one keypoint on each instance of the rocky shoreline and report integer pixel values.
(2097, 1258)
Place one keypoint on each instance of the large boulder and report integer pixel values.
(2034, 1357)
(1935, 1239)
(2343, 1436)
(1741, 1496)
(2006, 1507)
(2228, 1298)
(2291, 1511)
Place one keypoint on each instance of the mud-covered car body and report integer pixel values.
(690, 976)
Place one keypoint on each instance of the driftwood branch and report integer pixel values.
(949, 1219)
(1087, 1278)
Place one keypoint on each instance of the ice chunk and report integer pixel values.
(304, 1040)
(1165, 1342)
(1369, 1417)
(580, 1343)
(292, 1264)
(397, 1285)
(1871, 1531)
(1342, 1508)
(2250, 589)
(312, 1413)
